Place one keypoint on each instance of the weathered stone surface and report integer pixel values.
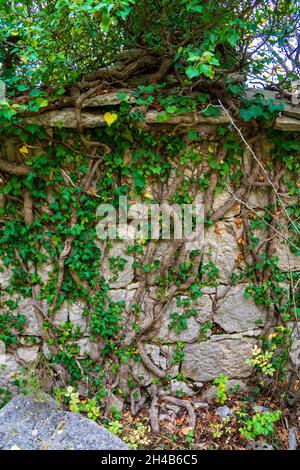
(234, 313)
(180, 388)
(122, 295)
(220, 200)
(32, 326)
(206, 361)
(121, 278)
(259, 445)
(29, 423)
(8, 368)
(115, 402)
(287, 260)
(4, 276)
(28, 354)
(89, 348)
(286, 123)
(108, 99)
(77, 317)
(67, 118)
(224, 411)
(222, 248)
(191, 333)
(61, 316)
(258, 198)
(2, 347)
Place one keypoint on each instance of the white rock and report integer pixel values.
(77, 317)
(61, 316)
(208, 360)
(203, 306)
(286, 259)
(234, 313)
(5, 275)
(2, 347)
(32, 326)
(222, 247)
(180, 388)
(219, 201)
(90, 348)
(124, 277)
(28, 354)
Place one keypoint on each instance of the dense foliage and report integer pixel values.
(56, 41)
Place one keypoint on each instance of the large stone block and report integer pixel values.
(30, 423)
(234, 313)
(221, 247)
(77, 316)
(287, 260)
(124, 277)
(203, 306)
(206, 361)
(28, 354)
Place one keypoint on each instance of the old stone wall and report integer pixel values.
(196, 334)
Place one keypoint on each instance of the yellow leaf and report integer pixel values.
(110, 118)
(23, 150)
(14, 32)
(24, 59)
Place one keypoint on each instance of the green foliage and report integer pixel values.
(89, 407)
(54, 42)
(5, 396)
(221, 388)
(274, 355)
(260, 424)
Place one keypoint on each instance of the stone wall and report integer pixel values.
(215, 339)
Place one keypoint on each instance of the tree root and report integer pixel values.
(185, 404)
(154, 415)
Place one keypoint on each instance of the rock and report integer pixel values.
(2, 348)
(39, 424)
(219, 201)
(206, 361)
(258, 198)
(288, 124)
(28, 354)
(203, 306)
(287, 260)
(115, 402)
(181, 389)
(232, 384)
(221, 247)
(108, 99)
(66, 118)
(61, 316)
(90, 348)
(26, 308)
(5, 275)
(122, 295)
(77, 317)
(259, 408)
(234, 313)
(292, 439)
(224, 411)
(124, 277)
(8, 369)
(161, 357)
(259, 445)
